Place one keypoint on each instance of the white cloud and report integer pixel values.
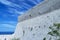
(7, 27)
(11, 10)
(9, 3)
(10, 24)
(5, 2)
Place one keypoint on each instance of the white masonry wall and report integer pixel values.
(38, 27)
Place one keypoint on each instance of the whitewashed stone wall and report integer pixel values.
(38, 27)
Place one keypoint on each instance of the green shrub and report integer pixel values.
(55, 31)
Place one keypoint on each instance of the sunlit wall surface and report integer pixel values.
(9, 12)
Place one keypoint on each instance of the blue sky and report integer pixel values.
(10, 10)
